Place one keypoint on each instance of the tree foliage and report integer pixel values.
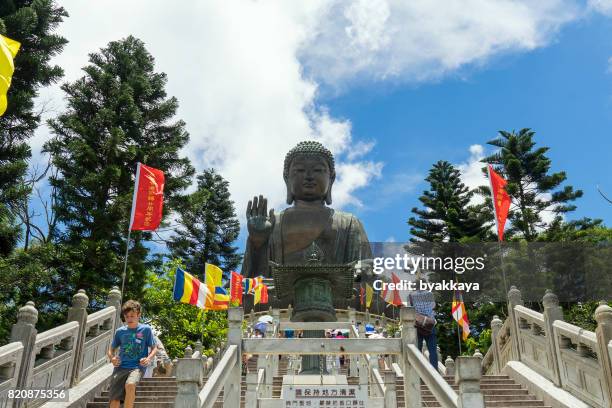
(118, 115)
(32, 23)
(447, 215)
(533, 188)
(209, 226)
(180, 324)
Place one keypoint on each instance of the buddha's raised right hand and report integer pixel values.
(260, 223)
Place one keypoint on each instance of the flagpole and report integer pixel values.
(127, 243)
(127, 249)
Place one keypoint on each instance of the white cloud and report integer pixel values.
(471, 171)
(233, 67)
(421, 39)
(601, 6)
(247, 73)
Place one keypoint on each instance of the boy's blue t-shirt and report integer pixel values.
(133, 344)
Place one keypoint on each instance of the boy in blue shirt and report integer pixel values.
(133, 341)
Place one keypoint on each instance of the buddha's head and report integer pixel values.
(309, 173)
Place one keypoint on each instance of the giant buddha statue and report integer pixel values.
(309, 232)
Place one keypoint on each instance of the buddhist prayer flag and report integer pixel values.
(148, 200)
(369, 295)
(213, 275)
(501, 200)
(188, 289)
(261, 294)
(251, 283)
(8, 51)
(460, 314)
(236, 289)
(392, 297)
(220, 299)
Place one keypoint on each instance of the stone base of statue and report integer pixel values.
(314, 290)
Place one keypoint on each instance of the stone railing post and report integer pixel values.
(367, 316)
(468, 378)
(251, 396)
(353, 361)
(78, 313)
(390, 397)
(496, 325)
(449, 363)
(188, 380)
(252, 317)
(25, 332)
(603, 317)
(412, 382)
(552, 312)
(289, 312)
(231, 389)
(114, 299)
(514, 299)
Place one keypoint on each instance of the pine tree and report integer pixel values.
(209, 227)
(32, 24)
(118, 114)
(532, 188)
(447, 215)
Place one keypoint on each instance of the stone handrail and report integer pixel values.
(571, 358)
(416, 368)
(61, 357)
(577, 354)
(52, 359)
(444, 393)
(98, 338)
(218, 378)
(10, 361)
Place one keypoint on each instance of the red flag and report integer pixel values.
(148, 199)
(501, 201)
(236, 289)
(264, 294)
(392, 296)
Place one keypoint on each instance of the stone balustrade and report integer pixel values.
(571, 358)
(10, 361)
(58, 358)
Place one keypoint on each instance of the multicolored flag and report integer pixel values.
(188, 289)
(251, 283)
(392, 297)
(236, 289)
(221, 299)
(261, 294)
(148, 200)
(501, 200)
(8, 51)
(369, 295)
(460, 314)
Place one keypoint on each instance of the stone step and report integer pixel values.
(147, 393)
(136, 404)
(141, 399)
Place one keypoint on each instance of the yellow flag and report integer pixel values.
(8, 50)
(213, 275)
(369, 295)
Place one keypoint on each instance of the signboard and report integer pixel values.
(344, 396)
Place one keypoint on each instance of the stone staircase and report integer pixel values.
(157, 392)
(499, 391)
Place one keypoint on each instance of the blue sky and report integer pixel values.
(563, 92)
(390, 87)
